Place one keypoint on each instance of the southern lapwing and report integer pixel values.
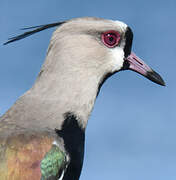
(42, 134)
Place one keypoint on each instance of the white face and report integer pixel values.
(116, 59)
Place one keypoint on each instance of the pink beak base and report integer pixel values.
(134, 63)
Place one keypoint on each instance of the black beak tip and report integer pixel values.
(155, 77)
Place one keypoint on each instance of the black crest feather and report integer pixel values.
(35, 30)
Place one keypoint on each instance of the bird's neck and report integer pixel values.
(66, 84)
(60, 92)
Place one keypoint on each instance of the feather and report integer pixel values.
(29, 33)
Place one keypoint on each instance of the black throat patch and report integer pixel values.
(74, 137)
(128, 42)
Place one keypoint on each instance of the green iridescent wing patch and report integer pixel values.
(53, 164)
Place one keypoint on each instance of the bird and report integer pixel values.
(42, 135)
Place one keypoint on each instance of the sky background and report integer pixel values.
(131, 134)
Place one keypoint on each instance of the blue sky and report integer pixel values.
(132, 130)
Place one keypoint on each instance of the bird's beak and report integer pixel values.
(134, 63)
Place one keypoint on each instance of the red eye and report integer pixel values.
(110, 38)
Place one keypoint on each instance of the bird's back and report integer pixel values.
(21, 155)
(27, 154)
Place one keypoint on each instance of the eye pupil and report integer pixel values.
(111, 38)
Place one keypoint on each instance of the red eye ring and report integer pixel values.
(110, 38)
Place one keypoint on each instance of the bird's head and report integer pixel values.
(104, 45)
(96, 46)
